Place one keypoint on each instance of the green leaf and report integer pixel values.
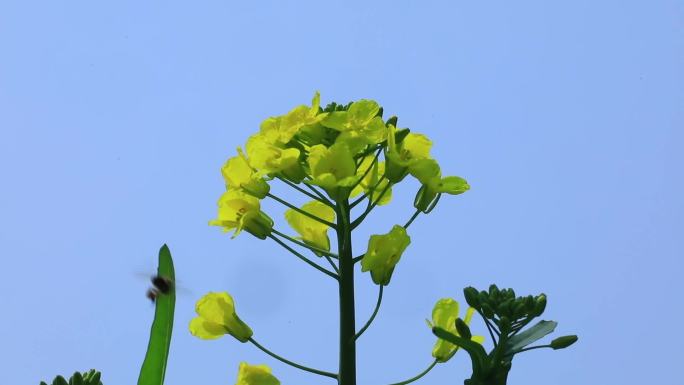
(519, 341)
(154, 366)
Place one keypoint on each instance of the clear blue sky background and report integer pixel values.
(566, 118)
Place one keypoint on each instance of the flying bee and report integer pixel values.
(160, 286)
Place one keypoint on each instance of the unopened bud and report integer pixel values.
(463, 329)
(471, 296)
(257, 188)
(563, 342)
(258, 224)
(539, 305)
(425, 199)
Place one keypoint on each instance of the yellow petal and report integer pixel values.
(255, 375)
(206, 330)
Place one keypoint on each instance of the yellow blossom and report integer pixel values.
(216, 316)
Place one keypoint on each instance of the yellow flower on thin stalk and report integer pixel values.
(216, 317)
(312, 232)
(255, 375)
(383, 254)
(444, 315)
(238, 210)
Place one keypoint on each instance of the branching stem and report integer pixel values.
(297, 209)
(303, 258)
(372, 317)
(296, 365)
(419, 376)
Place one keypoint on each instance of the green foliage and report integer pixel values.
(154, 366)
(91, 377)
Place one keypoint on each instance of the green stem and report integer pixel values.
(320, 194)
(424, 372)
(347, 369)
(310, 195)
(489, 327)
(413, 217)
(360, 257)
(332, 264)
(361, 217)
(303, 258)
(296, 365)
(297, 209)
(375, 160)
(312, 248)
(532, 348)
(372, 317)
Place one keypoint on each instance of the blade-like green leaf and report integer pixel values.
(529, 336)
(154, 367)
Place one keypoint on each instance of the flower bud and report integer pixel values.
(471, 296)
(563, 342)
(258, 224)
(425, 199)
(395, 172)
(539, 305)
(257, 188)
(463, 329)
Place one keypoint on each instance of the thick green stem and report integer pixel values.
(347, 372)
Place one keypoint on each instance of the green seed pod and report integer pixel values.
(563, 342)
(471, 297)
(463, 329)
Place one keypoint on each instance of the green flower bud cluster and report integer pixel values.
(91, 377)
(503, 308)
(505, 316)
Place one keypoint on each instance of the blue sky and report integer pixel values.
(565, 117)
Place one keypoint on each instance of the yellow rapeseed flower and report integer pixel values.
(216, 316)
(444, 315)
(312, 231)
(255, 375)
(383, 254)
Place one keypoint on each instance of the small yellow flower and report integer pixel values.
(371, 182)
(383, 254)
(427, 171)
(312, 232)
(238, 210)
(401, 157)
(359, 126)
(238, 174)
(216, 317)
(255, 375)
(332, 167)
(444, 315)
(269, 157)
